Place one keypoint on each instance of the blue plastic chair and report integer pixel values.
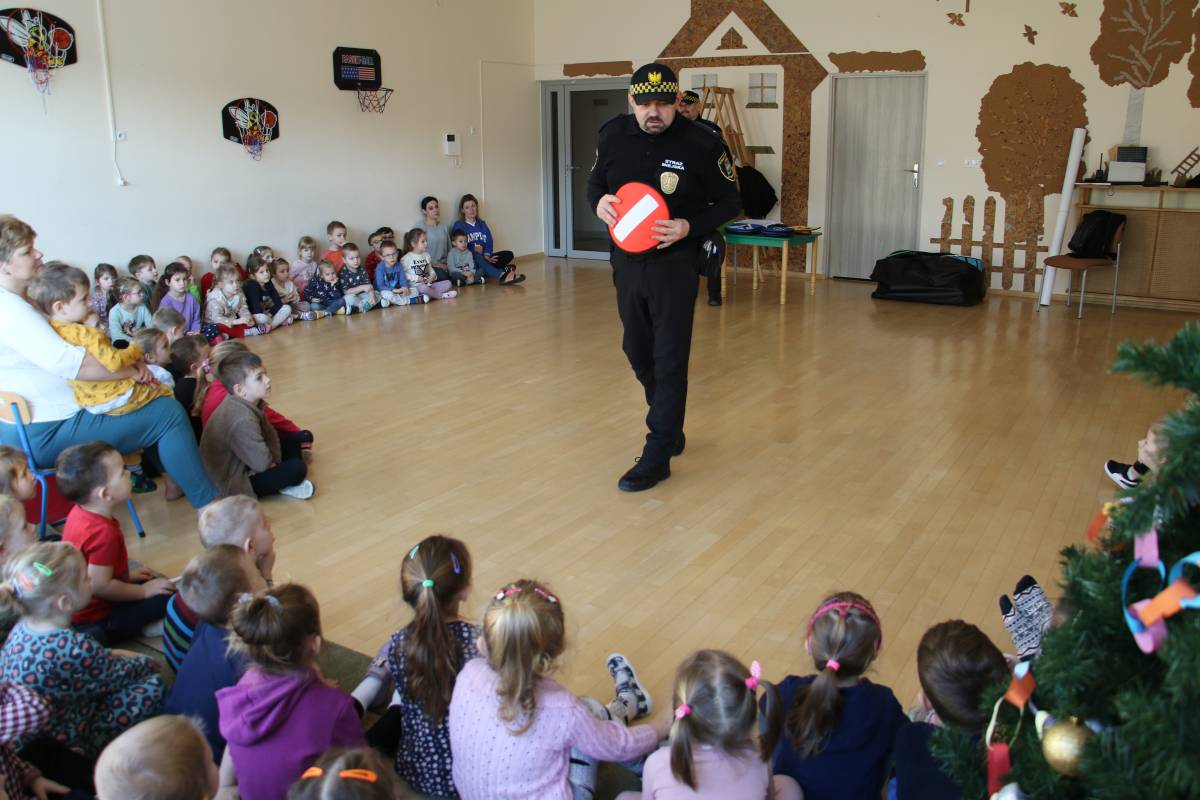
(20, 409)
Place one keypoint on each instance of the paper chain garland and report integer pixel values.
(1147, 618)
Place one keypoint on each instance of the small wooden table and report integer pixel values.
(756, 241)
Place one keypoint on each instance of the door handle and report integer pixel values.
(572, 167)
(916, 173)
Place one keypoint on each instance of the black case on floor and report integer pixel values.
(930, 278)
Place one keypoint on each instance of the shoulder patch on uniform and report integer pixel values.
(726, 166)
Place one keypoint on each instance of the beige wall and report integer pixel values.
(455, 65)
(962, 62)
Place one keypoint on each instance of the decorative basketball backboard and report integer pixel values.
(251, 122)
(38, 41)
(356, 68)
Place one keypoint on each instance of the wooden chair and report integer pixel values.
(14, 409)
(1076, 264)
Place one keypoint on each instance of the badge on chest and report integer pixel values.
(668, 182)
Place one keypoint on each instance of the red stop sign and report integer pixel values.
(641, 206)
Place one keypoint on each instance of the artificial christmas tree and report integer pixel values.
(1107, 719)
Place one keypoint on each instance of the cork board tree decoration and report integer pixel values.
(1194, 67)
(1139, 40)
(1026, 120)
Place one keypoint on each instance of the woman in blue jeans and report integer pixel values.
(36, 364)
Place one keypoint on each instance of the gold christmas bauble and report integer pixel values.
(1063, 743)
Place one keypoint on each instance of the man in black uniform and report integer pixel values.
(656, 290)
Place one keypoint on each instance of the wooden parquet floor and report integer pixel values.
(924, 456)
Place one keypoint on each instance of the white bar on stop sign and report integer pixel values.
(636, 216)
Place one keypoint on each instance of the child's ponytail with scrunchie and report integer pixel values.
(844, 637)
(432, 576)
(716, 705)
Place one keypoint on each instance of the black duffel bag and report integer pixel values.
(930, 278)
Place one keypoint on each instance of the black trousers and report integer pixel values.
(290, 470)
(126, 620)
(656, 298)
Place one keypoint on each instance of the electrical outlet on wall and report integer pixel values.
(972, 162)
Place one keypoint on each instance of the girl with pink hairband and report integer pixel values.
(839, 726)
(720, 742)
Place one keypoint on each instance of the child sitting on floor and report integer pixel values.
(280, 717)
(264, 302)
(390, 281)
(193, 287)
(237, 521)
(348, 775)
(839, 726)
(281, 279)
(226, 306)
(124, 602)
(425, 657)
(94, 693)
(374, 256)
(504, 702)
(15, 533)
(460, 262)
(175, 294)
(15, 478)
(23, 714)
(304, 268)
(157, 355)
(145, 270)
(165, 758)
(956, 663)
(335, 232)
(418, 268)
(241, 451)
(354, 283)
(324, 292)
(289, 432)
(716, 750)
(60, 292)
(189, 365)
(211, 584)
(130, 314)
(101, 298)
(170, 322)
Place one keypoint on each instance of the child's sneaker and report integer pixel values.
(341, 311)
(1123, 475)
(252, 331)
(301, 491)
(450, 295)
(629, 689)
(385, 303)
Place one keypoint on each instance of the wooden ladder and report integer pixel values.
(720, 102)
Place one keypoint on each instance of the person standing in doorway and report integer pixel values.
(691, 107)
(656, 290)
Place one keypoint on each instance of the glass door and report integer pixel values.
(573, 112)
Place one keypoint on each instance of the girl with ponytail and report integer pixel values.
(94, 693)
(517, 733)
(720, 742)
(281, 716)
(839, 726)
(424, 658)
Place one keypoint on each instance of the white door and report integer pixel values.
(878, 129)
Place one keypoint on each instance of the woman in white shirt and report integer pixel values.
(36, 364)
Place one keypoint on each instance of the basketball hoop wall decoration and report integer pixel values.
(250, 122)
(360, 70)
(38, 41)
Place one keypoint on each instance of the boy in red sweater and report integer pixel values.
(124, 602)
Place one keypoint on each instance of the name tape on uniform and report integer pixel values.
(633, 232)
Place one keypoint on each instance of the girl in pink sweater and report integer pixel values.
(720, 750)
(514, 731)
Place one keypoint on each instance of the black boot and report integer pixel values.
(644, 475)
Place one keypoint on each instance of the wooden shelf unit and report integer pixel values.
(1160, 256)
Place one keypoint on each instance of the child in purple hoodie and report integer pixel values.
(281, 716)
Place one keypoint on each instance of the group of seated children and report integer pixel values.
(470, 712)
(270, 292)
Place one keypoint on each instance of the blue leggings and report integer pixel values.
(162, 422)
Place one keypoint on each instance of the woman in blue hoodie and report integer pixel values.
(281, 716)
(482, 245)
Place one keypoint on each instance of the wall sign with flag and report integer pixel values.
(356, 68)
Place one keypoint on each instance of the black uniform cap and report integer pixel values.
(690, 97)
(654, 82)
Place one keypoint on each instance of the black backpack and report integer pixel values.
(758, 198)
(1094, 236)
